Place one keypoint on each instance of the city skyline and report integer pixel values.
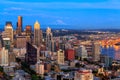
(59, 40)
(87, 14)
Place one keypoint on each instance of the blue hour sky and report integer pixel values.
(81, 13)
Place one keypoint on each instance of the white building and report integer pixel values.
(4, 57)
(82, 52)
(83, 75)
(8, 31)
(40, 68)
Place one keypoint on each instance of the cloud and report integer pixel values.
(13, 8)
(60, 22)
(4, 13)
(16, 9)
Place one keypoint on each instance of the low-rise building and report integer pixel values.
(83, 75)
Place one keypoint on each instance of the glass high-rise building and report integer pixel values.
(31, 55)
(19, 25)
(37, 34)
(49, 38)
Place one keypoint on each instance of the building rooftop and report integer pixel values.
(6, 38)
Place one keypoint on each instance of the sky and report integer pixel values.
(87, 14)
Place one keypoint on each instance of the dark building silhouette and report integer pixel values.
(1, 41)
(31, 55)
(8, 23)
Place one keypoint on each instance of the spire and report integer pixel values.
(37, 25)
(36, 22)
(48, 29)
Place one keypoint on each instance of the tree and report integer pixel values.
(35, 77)
(1, 69)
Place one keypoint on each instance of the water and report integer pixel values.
(112, 51)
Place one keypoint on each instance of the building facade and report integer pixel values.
(49, 39)
(7, 43)
(40, 68)
(19, 25)
(60, 57)
(37, 34)
(83, 75)
(31, 56)
(82, 52)
(70, 54)
(96, 51)
(28, 30)
(4, 57)
(9, 31)
(21, 41)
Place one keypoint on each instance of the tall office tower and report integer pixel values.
(81, 52)
(37, 34)
(9, 31)
(4, 57)
(107, 60)
(19, 25)
(60, 56)
(49, 37)
(96, 51)
(32, 55)
(53, 46)
(28, 30)
(21, 41)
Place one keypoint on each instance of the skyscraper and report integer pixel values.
(19, 25)
(96, 51)
(9, 31)
(32, 54)
(53, 46)
(81, 52)
(49, 38)
(60, 56)
(37, 34)
(4, 57)
(21, 41)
